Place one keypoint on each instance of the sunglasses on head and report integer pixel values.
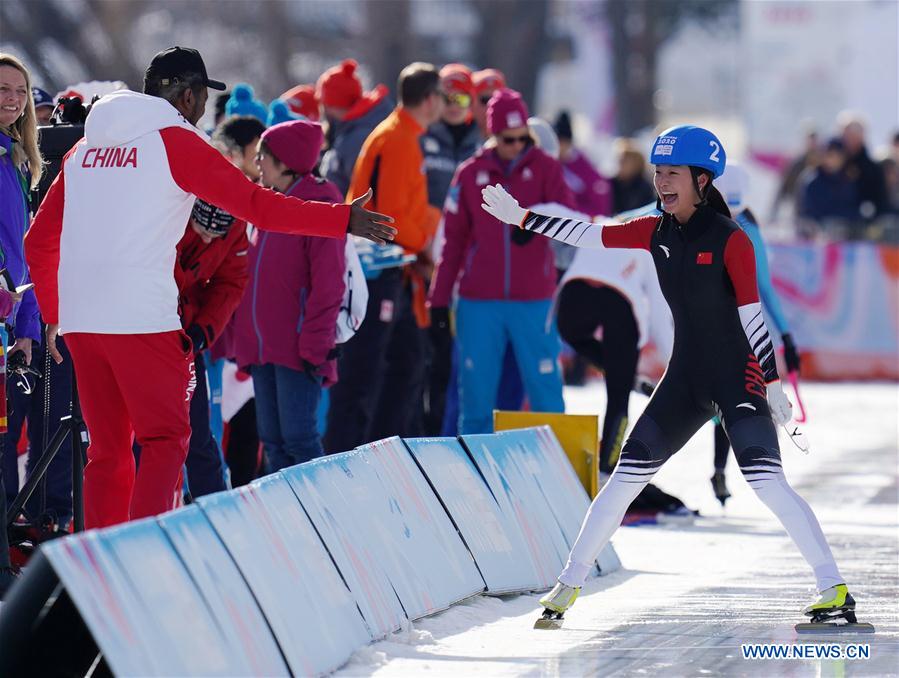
(458, 98)
(523, 139)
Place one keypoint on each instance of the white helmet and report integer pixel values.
(733, 186)
(545, 135)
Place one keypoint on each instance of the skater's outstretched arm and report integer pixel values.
(563, 227)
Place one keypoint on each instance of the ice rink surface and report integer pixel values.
(687, 598)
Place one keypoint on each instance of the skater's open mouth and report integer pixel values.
(668, 199)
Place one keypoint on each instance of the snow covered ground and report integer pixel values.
(688, 597)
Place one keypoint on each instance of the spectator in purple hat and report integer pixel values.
(506, 277)
(284, 329)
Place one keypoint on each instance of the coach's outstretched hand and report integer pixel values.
(498, 203)
(368, 224)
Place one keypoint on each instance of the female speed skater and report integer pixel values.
(722, 362)
(733, 186)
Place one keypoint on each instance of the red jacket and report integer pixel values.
(211, 278)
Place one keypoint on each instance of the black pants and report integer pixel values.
(53, 495)
(722, 447)
(205, 463)
(242, 447)
(583, 309)
(6, 575)
(381, 371)
(4, 540)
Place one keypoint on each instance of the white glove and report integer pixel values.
(498, 203)
(781, 409)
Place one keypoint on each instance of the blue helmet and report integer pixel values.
(689, 145)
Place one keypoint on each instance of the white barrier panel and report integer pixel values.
(309, 608)
(141, 605)
(448, 565)
(541, 454)
(379, 501)
(330, 492)
(519, 496)
(225, 591)
(494, 538)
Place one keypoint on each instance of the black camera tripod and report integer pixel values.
(72, 424)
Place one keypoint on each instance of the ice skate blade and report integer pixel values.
(548, 624)
(831, 628)
(550, 620)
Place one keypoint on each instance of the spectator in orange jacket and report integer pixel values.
(381, 397)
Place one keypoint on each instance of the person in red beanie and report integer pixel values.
(102, 252)
(454, 138)
(302, 101)
(284, 329)
(383, 365)
(506, 280)
(485, 82)
(351, 115)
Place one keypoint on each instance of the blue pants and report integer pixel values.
(214, 379)
(286, 406)
(54, 494)
(483, 329)
(510, 395)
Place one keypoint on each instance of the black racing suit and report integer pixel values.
(713, 369)
(720, 364)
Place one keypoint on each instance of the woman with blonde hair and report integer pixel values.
(20, 171)
(21, 167)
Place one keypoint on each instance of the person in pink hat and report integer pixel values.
(506, 280)
(284, 328)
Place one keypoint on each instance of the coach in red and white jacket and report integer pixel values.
(102, 255)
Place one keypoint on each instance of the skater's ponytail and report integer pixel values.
(710, 196)
(717, 202)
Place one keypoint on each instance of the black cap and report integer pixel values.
(835, 144)
(41, 98)
(563, 126)
(180, 61)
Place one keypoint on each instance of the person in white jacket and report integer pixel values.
(102, 253)
(609, 307)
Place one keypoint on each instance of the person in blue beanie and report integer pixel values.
(279, 111)
(243, 101)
